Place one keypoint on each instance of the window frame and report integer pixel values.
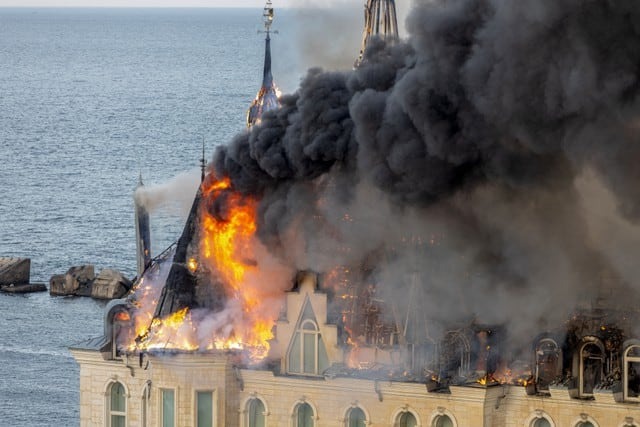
(626, 360)
(246, 420)
(213, 405)
(397, 416)
(108, 399)
(440, 412)
(537, 415)
(581, 363)
(296, 408)
(145, 404)
(349, 411)
(539, 353)
(298, 345)
(161, 391)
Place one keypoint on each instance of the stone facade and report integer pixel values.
(383, 402)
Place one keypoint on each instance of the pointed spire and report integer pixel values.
(203, 163)
(267, 98)
(379, 20)
(140, 183)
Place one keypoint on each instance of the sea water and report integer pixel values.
(89, 99)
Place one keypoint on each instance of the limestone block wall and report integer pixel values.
(382, 401)
(184, 373)
(561, 410)
(331, 399)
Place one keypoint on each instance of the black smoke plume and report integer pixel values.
(489, 155)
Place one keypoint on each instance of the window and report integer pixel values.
(631, 373)
(585, 424)
(255, 413)
(117, 405)
(455, 355)
(356, 418)
(406, 419)
(591, 367)
(146, 393)
(303, 415)
(541, 422)
(204, 409)
(168, 408)
(548, 358)
(442, 421)
(307, 354)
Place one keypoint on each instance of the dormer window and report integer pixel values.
(548, 359)
(455, 355)
(631, 373)
(307, 352)
(589, 366)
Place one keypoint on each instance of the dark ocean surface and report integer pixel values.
(89, 98)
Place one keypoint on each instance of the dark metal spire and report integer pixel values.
(180, 287)
(203, 163)
(379, 20)
(143, 230)
(267, 98)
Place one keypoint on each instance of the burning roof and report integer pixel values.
(457, 192)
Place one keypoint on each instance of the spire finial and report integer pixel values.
(267, 14)
(140, 183)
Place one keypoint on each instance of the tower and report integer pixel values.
(267, 98)
(143, 232)
(379, 20)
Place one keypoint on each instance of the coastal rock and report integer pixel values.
(78, 277)
(56, 285)
(14, 271)
(76, 281)
(110, 284)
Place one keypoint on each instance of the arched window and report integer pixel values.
(307, 353)
(442, 421)
(585, 424)
(455, 355)
(255, 413)
(541, 422)
(407, 419)
(146, 394)
(591, 367)
(117, 405)
(631, 373)
(356, 418)
(303, 415)
(548, 359)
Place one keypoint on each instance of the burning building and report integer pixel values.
(444, 236)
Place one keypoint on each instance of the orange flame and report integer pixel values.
(227, 245)
(227, 250)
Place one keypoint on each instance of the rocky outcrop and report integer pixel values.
(15, 274)
(82, 281)
(75, 281)
(14, 271)
(110, 284)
